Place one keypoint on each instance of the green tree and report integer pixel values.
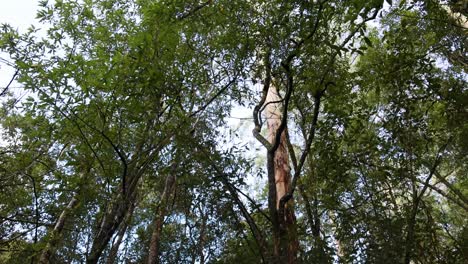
(120, 152)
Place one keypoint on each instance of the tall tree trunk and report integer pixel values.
(417, 197)
(340, 253)
(169, 187)
(284, 223)
(56, 235)
(112, 219)
(202, 237)
(409, 241)
(281, 158)
(120, 234)
(123, 201)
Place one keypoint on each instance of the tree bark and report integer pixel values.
(409, 240)
(124, 199)
(56, 234)
(120, 234)
(410, 235)
(112, 219)
(169, 187)
(340, 253)
(281, 158)
(202, 237)
(458, 18)
(279, 177)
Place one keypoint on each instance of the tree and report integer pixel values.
(123, 151)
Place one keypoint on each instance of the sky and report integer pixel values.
(19, 14)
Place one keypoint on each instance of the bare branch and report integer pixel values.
(11, 81)
(256, 112)
(194, 10)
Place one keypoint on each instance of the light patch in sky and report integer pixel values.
(20, 14)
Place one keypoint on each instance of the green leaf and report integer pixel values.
(368, 41)
(402, 3)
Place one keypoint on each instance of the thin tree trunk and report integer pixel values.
(313, 218)
(169, 187)
(410, 235)
(56, 235)
(110, 222)
(339, 246)
(284, 227)
(257, 234)
(308, 208)
(120, 205)
(201, 240)
(121, 233)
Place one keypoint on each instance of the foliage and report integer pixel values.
(124, 95)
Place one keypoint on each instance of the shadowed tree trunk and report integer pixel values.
(416, 199)
(121, 204)
(409, 241)
(112, 219)
(120, 234)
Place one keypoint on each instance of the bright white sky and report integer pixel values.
(20, 14)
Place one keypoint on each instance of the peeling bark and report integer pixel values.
(284, 221)
(281, 158)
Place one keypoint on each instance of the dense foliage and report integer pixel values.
(125, 150)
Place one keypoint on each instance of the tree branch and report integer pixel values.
(11, 81)
(256, 112)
